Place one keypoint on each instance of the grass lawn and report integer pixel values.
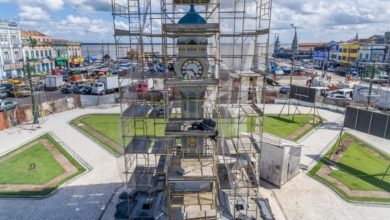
(361, 167)
(15, 170)
(109, 126)
(284, 126)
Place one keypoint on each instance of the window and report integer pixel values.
(1, 38)
(46, 53)
(340, 50)
(13, 39)
(5, 38)
(352, 50)
(32, 54)
(344, 57)
(360, 56)
(41, 53)
(16, 55)
(6, 56)
(49, 52)
(345, 50)
(367, 56)
(37, 54)
(339, 58)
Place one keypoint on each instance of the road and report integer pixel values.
(46, 96)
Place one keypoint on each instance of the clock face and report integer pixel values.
(192, 69)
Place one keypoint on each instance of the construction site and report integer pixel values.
(193, 144)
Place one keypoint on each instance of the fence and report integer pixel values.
(370, 122)
(23, 114)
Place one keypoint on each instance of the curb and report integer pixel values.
(357, 203)
(83, 163)
(115, 155)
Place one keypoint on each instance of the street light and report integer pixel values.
(294, 48)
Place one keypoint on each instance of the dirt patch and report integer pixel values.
(101, 137)
(303, 129)
(325, 171)
(70, 169)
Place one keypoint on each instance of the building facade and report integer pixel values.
(321, 54)
(11, 53)
(334, 55)
(74, 53)
(60, 48)
(349, 52)
(38, 50)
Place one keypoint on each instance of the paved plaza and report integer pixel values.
(86, 197)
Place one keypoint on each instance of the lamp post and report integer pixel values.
(33, 101)
(294, 48)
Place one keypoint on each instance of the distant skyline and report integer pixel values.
(318, 21)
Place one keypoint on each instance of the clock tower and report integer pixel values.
(192, 60)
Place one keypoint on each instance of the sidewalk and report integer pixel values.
(85, 196)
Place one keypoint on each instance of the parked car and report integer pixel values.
(285, 89)
(83, 89)
(3, 93)
(7, 87)
(38, 86)
(331, 69)
(67, 90)
(337, 96)
(23, 91)
(7, 105)
(286, 70)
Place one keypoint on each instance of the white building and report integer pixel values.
(11, 54)
(372, 52)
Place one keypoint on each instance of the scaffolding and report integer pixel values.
(192, 115)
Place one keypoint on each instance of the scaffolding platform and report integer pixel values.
(182, 127)
(190, 169)
(146, 145)
(204, 30)
(191, 83)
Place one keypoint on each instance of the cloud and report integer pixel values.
(326, 20)
(92, 5)
(29, 13)
(51, 5)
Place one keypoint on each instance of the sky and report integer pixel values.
(317, 20)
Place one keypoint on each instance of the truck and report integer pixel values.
(149, 85)
(108, 84)
(53, 82)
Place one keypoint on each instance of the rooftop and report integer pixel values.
(31, 33)
(192, 17)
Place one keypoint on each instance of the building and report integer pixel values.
(11, 54)
(349, 52)
(38, 50)
(67, 53)
(74, 53)
(334, 54)
(60, 49)
(373, 53)
(321, 54)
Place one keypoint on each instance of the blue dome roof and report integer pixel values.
(192, 17)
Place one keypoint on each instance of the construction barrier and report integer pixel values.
(23, 114)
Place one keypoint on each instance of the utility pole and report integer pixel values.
(370, 90)
(294, 48)
(33, 101)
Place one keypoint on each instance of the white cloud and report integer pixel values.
(330, 20)
(33, 13)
